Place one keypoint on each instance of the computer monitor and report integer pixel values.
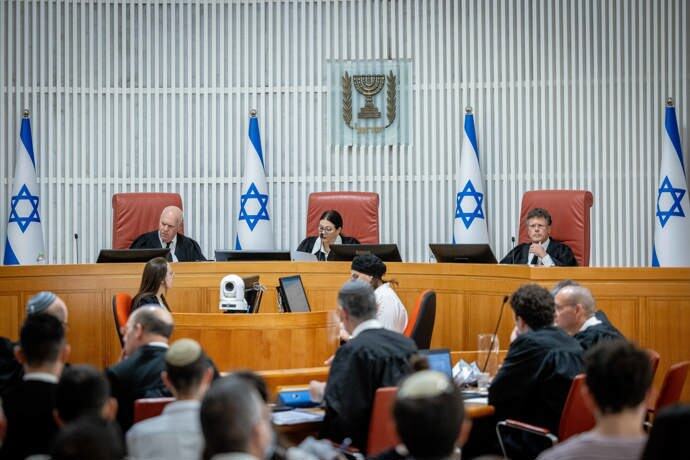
(463, 253)
(293, 298)
(112, 256)
(439, 360)
(386, 252)
(252, 292)
(229, 255)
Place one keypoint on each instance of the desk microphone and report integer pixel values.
(512, 251)
(76, 245)
(493, 337)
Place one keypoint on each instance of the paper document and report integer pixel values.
(294, 417)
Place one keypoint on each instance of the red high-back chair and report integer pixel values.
(360, 212)
(122, 307)
(382, 433)
(570, 212)
(138, 213)
(149, 407)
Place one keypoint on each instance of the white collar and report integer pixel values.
(592, 321)
(158, 344)
(318, 246)
(365, 325)
(41, 377)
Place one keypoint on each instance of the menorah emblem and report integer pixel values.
(369, 86)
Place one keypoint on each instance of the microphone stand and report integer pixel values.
(493, 337)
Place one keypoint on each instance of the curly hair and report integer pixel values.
(535, 305)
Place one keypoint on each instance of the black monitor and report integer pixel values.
(252, 292)
(463, 253)
(229, 255)
(109, 256)
(386, 252)
(293, 298)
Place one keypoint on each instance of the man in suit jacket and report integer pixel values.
(29, 407)
(138, 375)
(542, 250)
(182, 248)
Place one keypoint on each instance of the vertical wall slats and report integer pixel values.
(154, 96)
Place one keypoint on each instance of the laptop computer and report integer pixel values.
(439, 360)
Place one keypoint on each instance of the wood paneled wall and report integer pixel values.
(650, 306)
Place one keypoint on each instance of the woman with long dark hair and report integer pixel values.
(330, 232)
(155, 282)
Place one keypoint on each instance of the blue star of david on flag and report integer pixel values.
(262, 199)
(675, 209)
(24, 221)
(469, 192)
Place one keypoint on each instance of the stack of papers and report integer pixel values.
(297, 416)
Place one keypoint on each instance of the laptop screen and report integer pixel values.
(294, 295)
(439, 360)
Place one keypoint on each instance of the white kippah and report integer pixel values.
(424, 384)
(183, 352)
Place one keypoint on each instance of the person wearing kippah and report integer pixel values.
(391, 312)
(176, 433)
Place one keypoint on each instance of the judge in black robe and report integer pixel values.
(186, 249)
(561, 254)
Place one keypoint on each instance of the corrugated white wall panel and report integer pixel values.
(154, 96)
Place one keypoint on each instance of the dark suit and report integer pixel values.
(307, 244)
(186, 249)
(137, 376)
(11, 371)
(560, 253)
(375, 358)
(30, 423)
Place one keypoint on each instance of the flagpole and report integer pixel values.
(669, 102)
(252, 113)
(26, 113)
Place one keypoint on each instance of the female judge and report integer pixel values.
(155, 282)
(330, 232)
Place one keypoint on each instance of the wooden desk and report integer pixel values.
(649, 305)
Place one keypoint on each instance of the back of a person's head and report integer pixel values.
(428, 414)
(88, 438)
(667, 437)
(618, 375)
(185, 364)
(255, 380)
(154, 320)
(41, 338)
(229, 412)
(358, 299)
(534, 304)
(561, 284)
(81, 391)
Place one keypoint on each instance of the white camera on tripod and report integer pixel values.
(232, 295)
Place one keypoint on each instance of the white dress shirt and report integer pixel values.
(173, 245)
(391, 311)
(546, 261)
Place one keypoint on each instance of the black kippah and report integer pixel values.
(369, 264)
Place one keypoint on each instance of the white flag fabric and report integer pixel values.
(24, 244)
(671, 219)
(254, 229)
(469, 226)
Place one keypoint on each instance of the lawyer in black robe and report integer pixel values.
(186, 249)
(560, 253)
(375, 358)
(597, 333)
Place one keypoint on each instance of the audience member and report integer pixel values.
(176, 433)
(11, 370)
(667, 437)
(138, 375)
(182, 248)
(28, 407)
(535, 377)
(83, 391)
(375, 357)
(619, 377)
(576, 315)
(430, 416)
(88, 438)
(235, 422)
(155, 282)
(390, 312)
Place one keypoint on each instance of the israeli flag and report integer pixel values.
(24, 244)
(671, 219)
(469, 226)
(254, 229)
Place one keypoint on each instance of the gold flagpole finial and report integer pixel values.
(669, 102)
(252, 113)
(468, 109)
(26, 113)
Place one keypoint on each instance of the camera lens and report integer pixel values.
(230, 286)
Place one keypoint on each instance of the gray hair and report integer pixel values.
(577, 294)
(562, 284)
(357, 298)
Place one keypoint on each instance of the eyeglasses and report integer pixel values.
(326, 229)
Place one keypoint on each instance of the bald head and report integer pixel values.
(170, 223)
(150, 323)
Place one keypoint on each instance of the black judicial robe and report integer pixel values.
(597, 333)
(533, 382)
(30, 423)
(560, 253)
(137, 376)
(307, 244)
(186, 249)
(375, 358)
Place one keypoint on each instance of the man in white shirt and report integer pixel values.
(618, 382)
(177, 432)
